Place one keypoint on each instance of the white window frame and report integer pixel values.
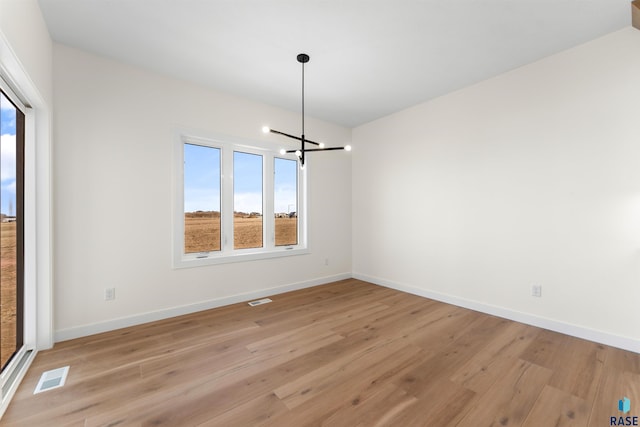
(38, 312)
(227, 146)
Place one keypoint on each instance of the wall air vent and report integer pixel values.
(260, 302)
(52, 379)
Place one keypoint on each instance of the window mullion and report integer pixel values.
(268, 201)
(227, 200)
(302, 200)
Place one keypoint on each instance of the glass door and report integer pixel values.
(12, 121)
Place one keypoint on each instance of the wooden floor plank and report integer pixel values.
(444, 362)
(486, 366)
(581, 361)
(254, 413)
(75, 401)
(558, 408)
(210, 395)
(348, 353)
(614, 385)
(376, 409)
(440, 403)
(368, 376)
(509, 400)
(623, 361)
(330, 376)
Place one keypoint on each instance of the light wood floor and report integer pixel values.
(345, 354)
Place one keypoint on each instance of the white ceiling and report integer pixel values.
(369, 58)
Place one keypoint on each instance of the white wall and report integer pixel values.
(114, 131)
(24, 28)
(532, 177)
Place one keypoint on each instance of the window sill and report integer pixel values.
(240, 256)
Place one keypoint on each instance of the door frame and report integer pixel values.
(38, 274)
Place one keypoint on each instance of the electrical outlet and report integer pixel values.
(536, 291)
(109, 294)
(326, 261)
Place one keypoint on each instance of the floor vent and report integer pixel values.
(260, 302)
(52, 379)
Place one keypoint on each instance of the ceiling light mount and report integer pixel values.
(303, 58)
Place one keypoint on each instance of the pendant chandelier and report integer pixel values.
(303, 58)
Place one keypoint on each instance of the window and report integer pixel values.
(247, 200)
(12, 123)
(285, 201)
(201, 199)
(236, 201)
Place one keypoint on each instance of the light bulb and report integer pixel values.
(347, 148)
(321, 145)
(298, 153)
(283, 151)
(266, 129)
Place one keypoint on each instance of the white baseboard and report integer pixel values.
(123, 322)
(601, 337)
(613, 340)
